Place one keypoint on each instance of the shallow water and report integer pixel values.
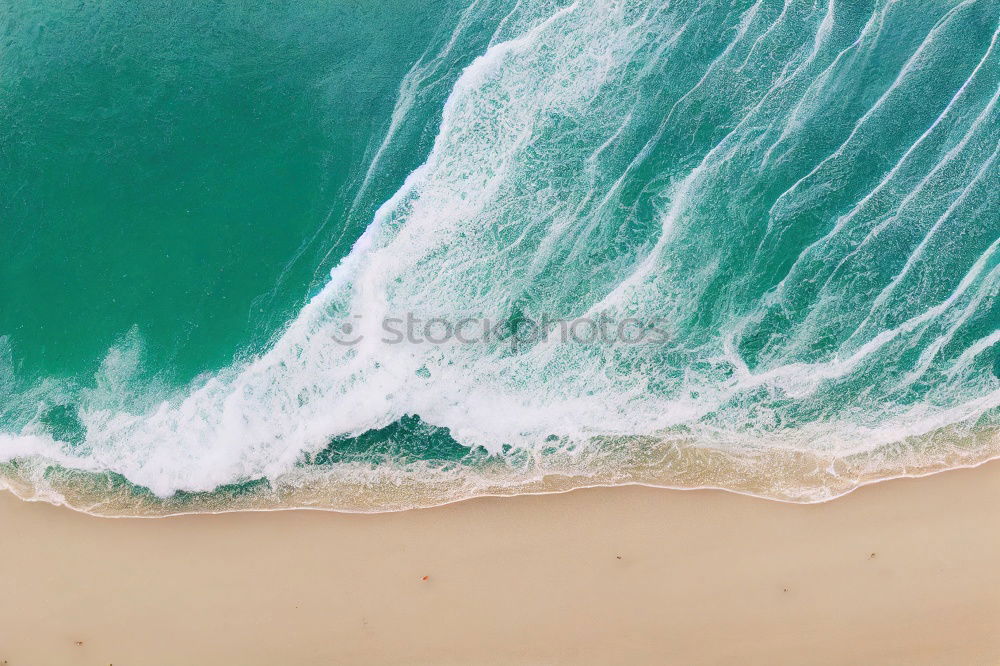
(375, 257)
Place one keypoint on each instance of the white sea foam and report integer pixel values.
(581, 167)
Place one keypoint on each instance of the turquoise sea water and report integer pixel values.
(212, 215)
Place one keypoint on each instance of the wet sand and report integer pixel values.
(903, 572)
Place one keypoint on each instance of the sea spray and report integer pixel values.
(804, 196)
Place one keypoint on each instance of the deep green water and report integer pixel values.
(802, 199)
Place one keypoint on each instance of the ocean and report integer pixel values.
(376, 256)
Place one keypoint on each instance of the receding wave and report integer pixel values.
(804, 198)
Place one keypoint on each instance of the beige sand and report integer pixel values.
(905, 572)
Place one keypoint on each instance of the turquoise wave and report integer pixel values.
(802, 199)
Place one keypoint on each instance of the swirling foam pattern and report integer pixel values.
(803, 196)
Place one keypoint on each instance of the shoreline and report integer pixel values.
(704, 577)
(791, 477)
(7, 488)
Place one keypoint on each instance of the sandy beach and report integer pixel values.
(903, 572)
